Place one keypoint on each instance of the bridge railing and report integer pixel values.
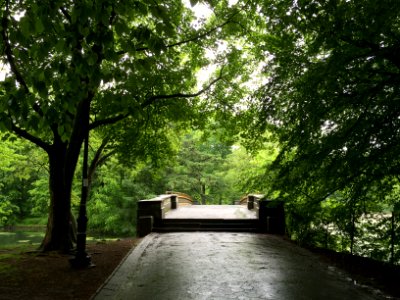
(150, 212)
(252, 201)
(183, 199)
(270, 213)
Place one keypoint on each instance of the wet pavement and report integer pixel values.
(219, 265)
(211, 212)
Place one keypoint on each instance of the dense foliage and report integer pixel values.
(117, 186)
(78, 66)
(331, 100)
(322, 133)
(332, 96)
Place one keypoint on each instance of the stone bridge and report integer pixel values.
(227, 254)
(174, 211)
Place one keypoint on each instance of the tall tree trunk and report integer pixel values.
(63, 158)
(60, 233)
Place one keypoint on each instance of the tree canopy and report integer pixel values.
(326, 119)
(77, 66)
(332, 95)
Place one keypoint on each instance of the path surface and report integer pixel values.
(204, 265)
(211, 212)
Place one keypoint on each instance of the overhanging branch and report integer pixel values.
(150, 100)
(26, 135)
(107, 121)
(203, 35)
(388, 52)
(8, 51)
(11, 60)
(99, 158)
(66, 14)
(190, 39)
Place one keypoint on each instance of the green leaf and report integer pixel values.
(26, 27)
(92, 59)
(121, 27)
(41, 76)
(60, 46)
(39, 27)
(84, 30)
(41, 88)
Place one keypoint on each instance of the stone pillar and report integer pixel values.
(144, 225)
(149, 214)
(250, 202)
(271, 216)
(174, 202)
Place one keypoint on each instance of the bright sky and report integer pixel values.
(3, 71)
(203, 11)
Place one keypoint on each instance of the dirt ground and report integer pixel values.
(30, 275)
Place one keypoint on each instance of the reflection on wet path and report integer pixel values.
(215, 265)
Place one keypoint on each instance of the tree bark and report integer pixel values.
(60, 234)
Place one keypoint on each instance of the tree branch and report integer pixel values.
(97, 157)
(389, 52)
(113, 16)
(66, 14)
(8, 51)
(149, 101)
(154, 98)
(105, 157)
(107, 121)
(99, 151)
(191, 39)
(11, 60)
(201, 35)
(26, 135)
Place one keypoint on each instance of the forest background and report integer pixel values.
(298, 101)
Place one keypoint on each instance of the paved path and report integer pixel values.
(211, 212)
(204, 265)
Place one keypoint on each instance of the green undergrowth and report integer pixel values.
(18, 239)
(33, 221)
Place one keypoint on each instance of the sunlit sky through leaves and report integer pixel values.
(202, 12)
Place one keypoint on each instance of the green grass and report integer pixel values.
(8, 255)
(11, 239)
(34, 221)
(32, 239)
